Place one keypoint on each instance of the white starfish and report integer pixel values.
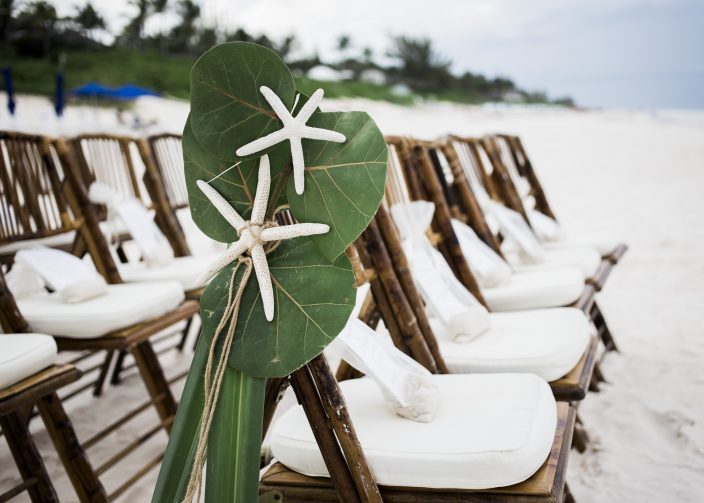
(294, 130)
(253, 234)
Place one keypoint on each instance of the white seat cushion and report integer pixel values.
(545, 342)
(489, 431)
(536, 289)
(22, 355)
(185, 270)
(56, 241)
(122, 306)
(584, 258)
(604, 247)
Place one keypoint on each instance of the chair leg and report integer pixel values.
(76, 463)
(599, 374)
(184, 336)
(100, 382)
(568, 497)
(603, 329)
(580, 438)
(27, 458)
(119, 363)
(155, 381)
(594, 384)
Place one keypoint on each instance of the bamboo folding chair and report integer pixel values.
(36, 179)
(514, 156)
(453, 196)
(506, 192)
(351, 478)
(39, 389)
(111, 160)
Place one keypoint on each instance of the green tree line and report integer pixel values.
(34, 30)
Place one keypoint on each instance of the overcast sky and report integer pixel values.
(610, 53)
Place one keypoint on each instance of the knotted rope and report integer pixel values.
(211, 384)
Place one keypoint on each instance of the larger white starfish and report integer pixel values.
(294, 130)
(253, 234)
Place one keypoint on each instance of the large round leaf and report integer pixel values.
(227, 108)
(314, 299)
(344, 182)
(238, 185)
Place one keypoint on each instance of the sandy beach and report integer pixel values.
(631, 176)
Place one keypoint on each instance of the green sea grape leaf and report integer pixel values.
(314, 298)
(227, 108)
(237, 186)
(344, 182)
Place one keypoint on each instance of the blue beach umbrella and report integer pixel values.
(131, 91)
(93, 90)
(59, 95)
(9, 89)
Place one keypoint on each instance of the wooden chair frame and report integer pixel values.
(16, 403)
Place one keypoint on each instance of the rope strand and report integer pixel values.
(212, 392)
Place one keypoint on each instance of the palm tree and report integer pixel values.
(134, 31)
(183, 34)
(39, 17)
(5, 17)
(89, 19)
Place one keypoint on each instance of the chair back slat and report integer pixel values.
(525, 168)
(32, 200)
(165, 181)
(168, 158)
(42, 194)
(507, 189)
(125, 165)
(467, 201)
(108, 160)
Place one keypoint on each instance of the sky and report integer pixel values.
(646, 54)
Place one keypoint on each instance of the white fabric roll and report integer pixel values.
(515, 229)
(75, 280)
(153, 245)
(545, 227)
(406, 385)
(489, 268)
(445, 297)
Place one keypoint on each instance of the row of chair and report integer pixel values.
(46, 197)
(46, 201)
(531, 333)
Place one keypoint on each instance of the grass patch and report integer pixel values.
(169, 75)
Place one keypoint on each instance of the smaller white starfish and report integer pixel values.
(253, 234)
(294, 130)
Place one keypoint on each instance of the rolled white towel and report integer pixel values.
(406, 385)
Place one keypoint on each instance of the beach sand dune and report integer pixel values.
(631, 176)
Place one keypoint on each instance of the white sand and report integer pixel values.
(630, 176)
